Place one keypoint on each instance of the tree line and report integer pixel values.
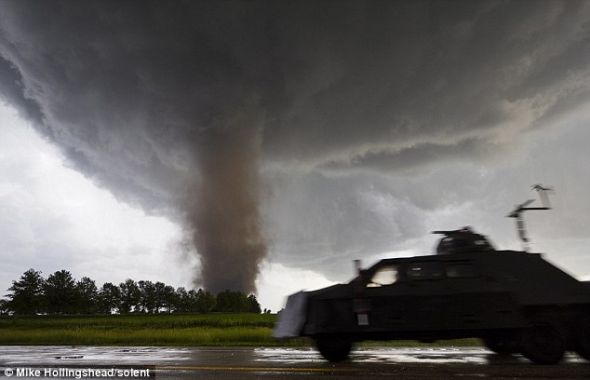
(61, 294)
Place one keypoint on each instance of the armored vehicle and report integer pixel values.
(514, 301)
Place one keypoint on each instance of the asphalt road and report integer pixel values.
(276, 363)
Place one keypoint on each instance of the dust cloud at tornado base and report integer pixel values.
(224, 210)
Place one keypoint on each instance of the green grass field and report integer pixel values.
(176, 330)
(213, 329)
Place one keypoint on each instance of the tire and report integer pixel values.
(582, 343)
(543, 344)
(504, 344)
(333, 349)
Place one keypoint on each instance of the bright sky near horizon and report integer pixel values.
(52, 217)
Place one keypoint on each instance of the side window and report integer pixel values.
(383, 276)
(425, 271)
(460, 270)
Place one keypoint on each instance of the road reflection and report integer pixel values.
(62, 355)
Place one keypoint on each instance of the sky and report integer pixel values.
(53, 218)
(263, 146)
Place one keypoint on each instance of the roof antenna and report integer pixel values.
(543, 194)
(521, 208)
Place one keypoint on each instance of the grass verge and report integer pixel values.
(214, 329)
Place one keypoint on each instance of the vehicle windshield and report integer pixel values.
(424, 271)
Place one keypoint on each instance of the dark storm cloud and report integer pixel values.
(322, 222)
(134, 91)
(13, 92)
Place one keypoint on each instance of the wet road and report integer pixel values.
(278, 363)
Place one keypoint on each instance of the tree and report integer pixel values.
(27, 294)
(235, 302)
(4, 308)
(87, 295)
(130, 297)
(61, 293)
(109, 298)
(184, 301)
(160, 290)
(148, 296)
(169, 299)
(204, 302)
(253, 305)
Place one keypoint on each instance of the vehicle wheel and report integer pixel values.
(502, 345)
(543, 344)
(334, 349)
(583, 340)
